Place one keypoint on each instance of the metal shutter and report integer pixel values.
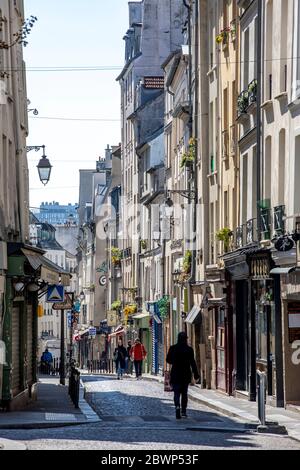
(154, 347)
(16, 385)
(29, 345)
(160, 352)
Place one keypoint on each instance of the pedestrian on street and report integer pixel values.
(129, 359)
(46, 362)
(120, 355)
(138, 353)
(182, 358)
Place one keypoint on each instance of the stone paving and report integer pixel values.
(139, 415)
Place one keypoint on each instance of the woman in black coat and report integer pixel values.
(120, 355)
(181, 357)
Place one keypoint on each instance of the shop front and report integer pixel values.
(28, 275)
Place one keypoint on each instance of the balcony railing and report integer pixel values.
(265, 219)
(279, 225)
(243, 102)
(247, 97)
(251, 231)
(239, 236)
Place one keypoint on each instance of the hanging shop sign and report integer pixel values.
(112, 318)
(284, 244)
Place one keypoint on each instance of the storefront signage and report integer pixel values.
(48, 276)
(294, 321)
(112, 318)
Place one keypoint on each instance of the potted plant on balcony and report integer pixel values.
(116, 256)
(144, 244)
(224, 235)
(188, 157)
(116, 305)
(223, 36)
(243, 102)
(252, 91)
(186, 268)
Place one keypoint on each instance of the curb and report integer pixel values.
(7, 444)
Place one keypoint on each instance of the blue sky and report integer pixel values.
(72, 34)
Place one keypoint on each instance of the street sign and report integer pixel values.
(55, 294)
(65, 305)
(92, 331)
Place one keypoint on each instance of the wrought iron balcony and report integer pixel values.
(243, 102)
(250, 231)
(279, 225)
(265, 219)
(239, 236)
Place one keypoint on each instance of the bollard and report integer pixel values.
(261, 397)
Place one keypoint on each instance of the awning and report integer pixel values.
(216, 301)
(83, 332)
(287, 270)
(193, 315)
(139, 316)
(119, 331)
(157, 319)
(238, 270)
(49, 272)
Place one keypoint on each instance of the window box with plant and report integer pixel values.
(116, 305)
(116, 256)
(144, 244)
(252, 90)
(186, 268)
(223, 36)
(243, 102)
(224, 235)
(188, 158)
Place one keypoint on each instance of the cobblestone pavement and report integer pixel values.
(139, 415)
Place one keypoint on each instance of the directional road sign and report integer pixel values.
(55, 294)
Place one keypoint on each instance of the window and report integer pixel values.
(281, 167)
(268, 168)
(283, 45)
(269, 51)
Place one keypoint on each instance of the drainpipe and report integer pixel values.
(259, 100)
(190, 126)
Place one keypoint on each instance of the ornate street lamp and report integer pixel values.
(44, 167)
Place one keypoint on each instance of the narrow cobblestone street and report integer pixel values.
(139, 415)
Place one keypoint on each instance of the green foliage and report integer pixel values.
(116, 305)
(188, 157)
(224, 236)
(187, 262)
(164, 306)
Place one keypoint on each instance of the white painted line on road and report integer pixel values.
(60, 417)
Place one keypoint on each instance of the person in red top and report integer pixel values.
(138, 354)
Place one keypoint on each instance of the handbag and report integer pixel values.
(167, 384)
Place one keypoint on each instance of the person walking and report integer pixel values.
(182, 359)
(120, 355)
(138, 353)
(46, 360)
(129, 362)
